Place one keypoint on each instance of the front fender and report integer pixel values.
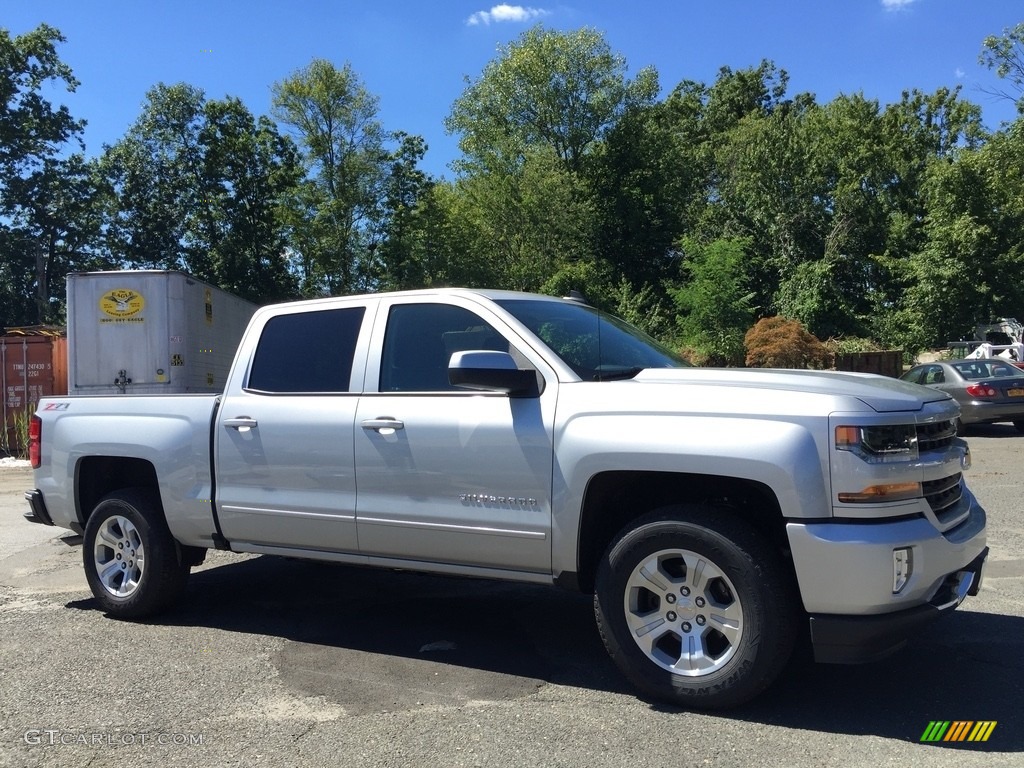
(783, 456)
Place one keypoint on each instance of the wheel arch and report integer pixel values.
(612, 499)
(99, 476)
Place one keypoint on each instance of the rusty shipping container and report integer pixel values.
(33, 362)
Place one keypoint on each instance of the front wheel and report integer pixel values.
(132, 562)
(695, 608)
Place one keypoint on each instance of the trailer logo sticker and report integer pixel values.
(958, 730)
(121, 305)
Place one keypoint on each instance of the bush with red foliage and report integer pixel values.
(780, 342)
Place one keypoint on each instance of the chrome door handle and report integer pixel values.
(385, 425)
(240, 423)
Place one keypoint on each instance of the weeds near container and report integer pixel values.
(5, 441)
(22, 419)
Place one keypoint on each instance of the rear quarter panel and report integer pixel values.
(171, 432)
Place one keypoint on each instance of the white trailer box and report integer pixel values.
(150, 331)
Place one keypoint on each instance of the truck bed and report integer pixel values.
(171, 432)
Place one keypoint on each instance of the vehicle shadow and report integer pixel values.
(990, 430)
(966, 666)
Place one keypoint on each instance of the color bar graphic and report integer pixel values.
(958, 730)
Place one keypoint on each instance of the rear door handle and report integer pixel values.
(240, 423)
(386, 425)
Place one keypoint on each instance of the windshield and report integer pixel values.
(597, 346)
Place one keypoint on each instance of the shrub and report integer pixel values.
(852, 344)
(779, 342)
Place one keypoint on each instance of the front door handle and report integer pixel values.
(385, 425)
(241, 423)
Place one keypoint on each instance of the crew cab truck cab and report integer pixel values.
(714, 514)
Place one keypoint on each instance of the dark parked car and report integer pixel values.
(988, 390)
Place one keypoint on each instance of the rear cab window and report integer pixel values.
(307, 352)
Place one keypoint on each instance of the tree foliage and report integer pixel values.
(1005, 55)
(48, 222)
(781, 342)
(562, 91)
(334, 119)
(693, 214)
(714, 302)
(200, 186)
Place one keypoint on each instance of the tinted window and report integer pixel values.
(307, 352)
(596, 345)
(420, 340)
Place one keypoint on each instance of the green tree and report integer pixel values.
(337, 214)
(969, 267)
(920, 133)
(531, 127)
(54, 228)
(561, 90)
(400, 257)
(158, 192)
(1005, 54)
(249, 170)
(47, 226)
(527, 225)
(715, 302)
(645, 180)
(200, 186)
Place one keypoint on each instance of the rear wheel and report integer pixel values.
(695, 608)
(132, 563)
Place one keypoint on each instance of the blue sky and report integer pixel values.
(414, 54)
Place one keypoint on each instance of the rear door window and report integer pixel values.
(307, 352)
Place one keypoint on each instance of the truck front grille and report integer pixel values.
(943, 496)
(932, 437)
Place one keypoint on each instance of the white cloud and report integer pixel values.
(896, 5)
(505, 12)
(959, 73)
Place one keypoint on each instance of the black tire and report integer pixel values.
(1019, 426)
(741, 619)
(132, 563)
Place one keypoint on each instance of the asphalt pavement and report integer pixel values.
(277, 662)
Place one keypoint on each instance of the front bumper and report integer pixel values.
(845, 571)
(857, 639)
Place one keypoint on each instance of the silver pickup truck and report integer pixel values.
(716, 515)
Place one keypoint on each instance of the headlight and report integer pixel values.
(878, 445)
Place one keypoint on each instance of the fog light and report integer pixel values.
(902, 567)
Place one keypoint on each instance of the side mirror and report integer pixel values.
(492, 372)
